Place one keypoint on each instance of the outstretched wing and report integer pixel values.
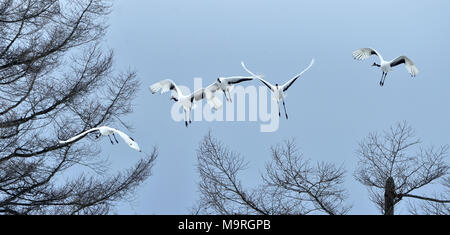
(290, 82)
(236, 79)
(270, 86)
(212, 88)
(365, 53)
(164, 86)
(409, 65)
(128, 140)
(79, 136)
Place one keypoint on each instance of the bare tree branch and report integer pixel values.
(57, 80)
(397, 155)
(290, 184)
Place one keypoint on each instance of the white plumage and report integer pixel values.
(278, 91)
(105, 131)
(165, 86)
(186, 101)
(211, 98)
(386, 66)
(225, 84)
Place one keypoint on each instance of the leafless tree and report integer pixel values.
(57, 80)
(291, 184)
(430, 207)
(393, 166)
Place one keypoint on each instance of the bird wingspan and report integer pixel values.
(79, 136)
(290, 82)
(164, 86)
(365, 53)
(270, 86)
(409, 65)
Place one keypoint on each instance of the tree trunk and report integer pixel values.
(389, 196)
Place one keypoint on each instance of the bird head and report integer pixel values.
(276, 84)
(375, 64)
(219, 80)
(174, 98)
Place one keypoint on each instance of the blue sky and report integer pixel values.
(331, 108)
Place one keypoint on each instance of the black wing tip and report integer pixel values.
(400, 61)
(241, 80)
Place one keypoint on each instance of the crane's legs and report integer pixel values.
(190, 111)
(381, 81)
(229, 96)
(187, 117)
(225, 94)
(279, 112)
(115, 138)
(110, 139)
(383, 77)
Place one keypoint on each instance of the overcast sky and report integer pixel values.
(331, 108)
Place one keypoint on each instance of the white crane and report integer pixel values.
(186, 101)
(386, 66)
(225, 84)
(108, 131)
(279, 91)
